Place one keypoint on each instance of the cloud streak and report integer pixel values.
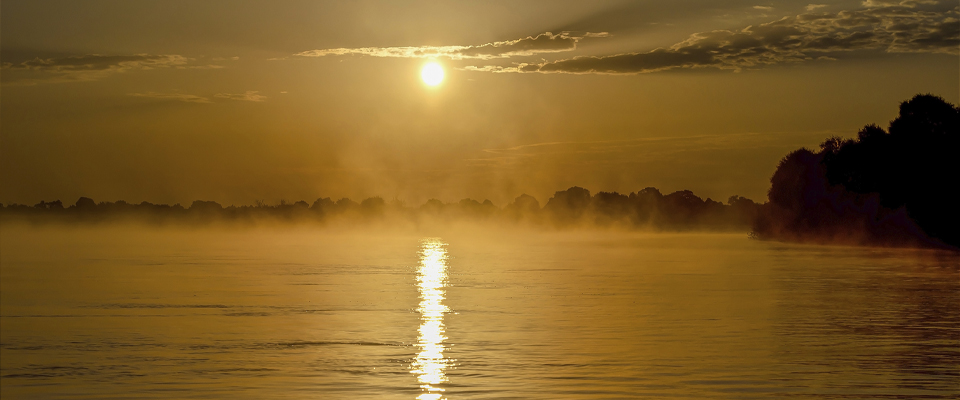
(96, 62)
(186, 98)
(91, 67)
(639, 150)
(250, 95)
(94, 66)
(528, 46)
(899, 28)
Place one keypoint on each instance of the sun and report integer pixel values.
(432, 74)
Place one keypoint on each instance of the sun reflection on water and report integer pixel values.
(429, 365)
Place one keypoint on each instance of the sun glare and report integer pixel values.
(431, 281)
(432, 74)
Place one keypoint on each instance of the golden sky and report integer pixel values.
(238, 101)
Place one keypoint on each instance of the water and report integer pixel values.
(297, 313)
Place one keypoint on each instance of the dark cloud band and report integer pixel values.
(90, 67)
(96, 62)
(897, 28)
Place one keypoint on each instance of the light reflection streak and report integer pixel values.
(429, 365)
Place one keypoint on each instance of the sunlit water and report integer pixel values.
(259, 314)
(431, 280)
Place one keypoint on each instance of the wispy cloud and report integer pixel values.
(96, 62)
(640, 150)
(208, 66)
(187, 98)
(528, 46)
(91, 67)
(891, 28)
(893, 3)
(250, 95)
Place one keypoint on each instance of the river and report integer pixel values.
(290, 313)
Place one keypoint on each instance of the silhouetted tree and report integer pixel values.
(882, 188)
(682, 208)
(611, 207)
(323, 206)
(744, 210)
(373, 206)
(474, 209)
(523, 207)
(432, 206)
(202, 206)
(646, 205)
(567, 206)
(346, 205)
(86, 204)
(52, 205)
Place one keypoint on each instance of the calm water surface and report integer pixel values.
(161, 313)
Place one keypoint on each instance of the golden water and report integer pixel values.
(162, 313)
(429, 365)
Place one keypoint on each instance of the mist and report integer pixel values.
(574, 208)
(456, 200)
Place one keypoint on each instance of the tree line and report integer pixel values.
(572, 207)
(887, 187)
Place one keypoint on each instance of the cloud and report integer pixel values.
(90, 67)
(208, 66)
(763, 8)
(890, 3)
(811, 7)
(630, 151)
(96, 62)
(879, 3)
(596, 34)
(894, 29)
(490, 68)
(530, 45)
(187, 98)
(250, 95)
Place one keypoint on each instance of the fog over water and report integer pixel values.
(541, 199)
(468, 312)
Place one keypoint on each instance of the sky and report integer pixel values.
(240, 101)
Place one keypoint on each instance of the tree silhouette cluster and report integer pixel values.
(680, 210)
(573, 207)
(893, 187)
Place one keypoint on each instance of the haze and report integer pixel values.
(486, 199)
(240, 101)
